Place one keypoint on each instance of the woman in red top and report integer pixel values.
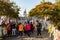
(8, 29)
(28, 28)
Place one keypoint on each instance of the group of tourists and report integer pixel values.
(30, 28)
(22, 29)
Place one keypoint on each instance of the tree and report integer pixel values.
(42, 1)
(43, 9)
(57, 3)
(47, 9)
(8, 9)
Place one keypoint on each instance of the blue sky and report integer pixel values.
(27, 4)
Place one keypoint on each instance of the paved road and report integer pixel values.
(45, 36)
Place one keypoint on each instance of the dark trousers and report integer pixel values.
(28, 33)
(21, 33)
(38, 31)
(8, 32)
(32, 30)
(17, 32)
(25, 32)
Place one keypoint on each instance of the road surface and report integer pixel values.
(45, 36)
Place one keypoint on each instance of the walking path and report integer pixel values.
(45, 36)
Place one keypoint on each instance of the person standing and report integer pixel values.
(25, 31)
(50, 30)
(39, 27)
(32, 29)
(20, 29)
(16, 28)
(8, 29)
(13, 29)
(28, 28)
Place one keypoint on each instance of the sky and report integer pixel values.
(27, 4)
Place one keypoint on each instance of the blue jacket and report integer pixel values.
(39, 25)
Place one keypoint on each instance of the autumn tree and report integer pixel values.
(57, 3)
(47, 9)
(43, 9)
